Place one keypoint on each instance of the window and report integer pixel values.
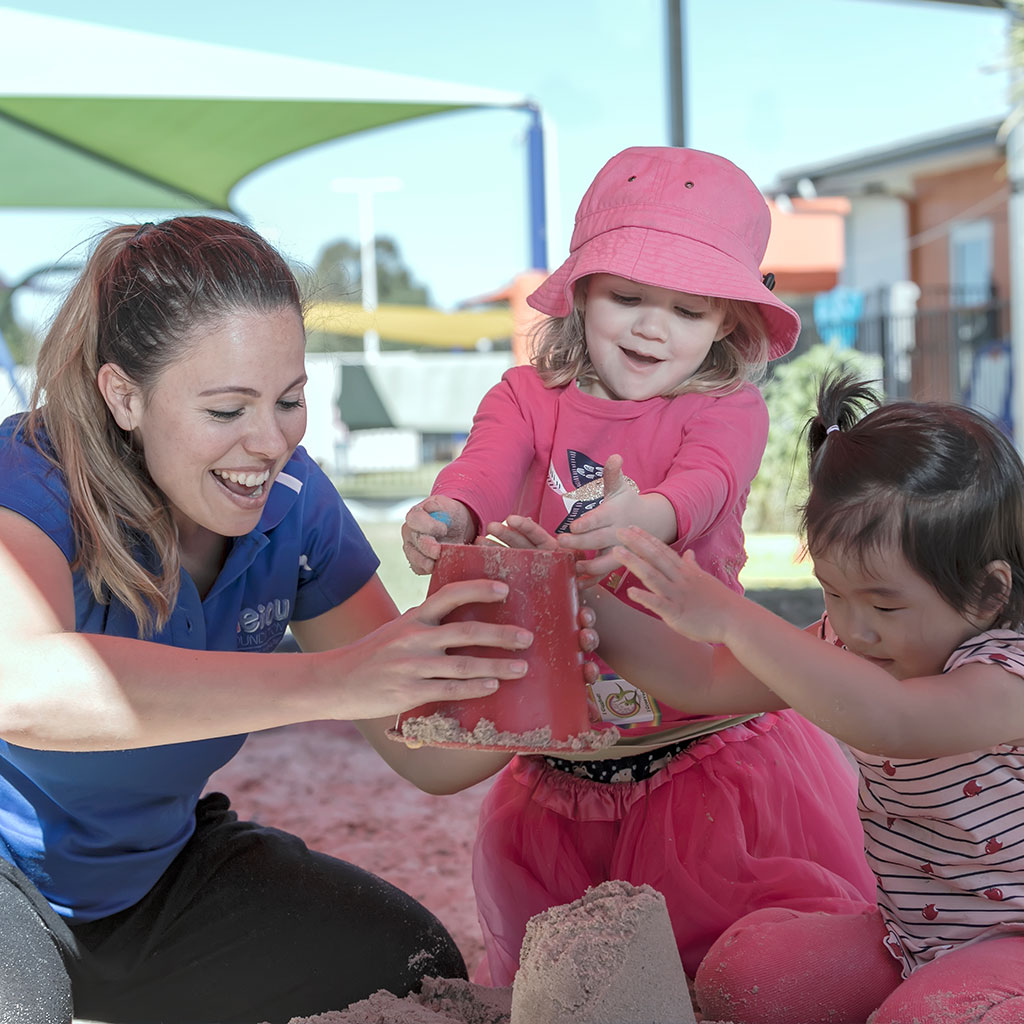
(970, 263)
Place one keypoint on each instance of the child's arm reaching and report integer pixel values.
(970, 708)
(686, 674)
(622, 506)
(433, 520)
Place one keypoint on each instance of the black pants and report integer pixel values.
(246, 925)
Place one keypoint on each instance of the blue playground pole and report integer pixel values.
(538, 200)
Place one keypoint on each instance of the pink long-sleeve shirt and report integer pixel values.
(532, 446)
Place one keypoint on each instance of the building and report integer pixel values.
(926, 269)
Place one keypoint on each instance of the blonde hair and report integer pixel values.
(560, 349)
(142, 292)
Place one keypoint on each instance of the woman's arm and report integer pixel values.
(63, 690)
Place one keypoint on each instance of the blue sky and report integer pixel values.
(772, 84)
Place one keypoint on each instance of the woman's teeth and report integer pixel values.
(252, 482)
(245, 479)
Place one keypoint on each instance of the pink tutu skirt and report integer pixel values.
(762, 814)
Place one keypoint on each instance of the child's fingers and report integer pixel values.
(597, 539)
(613, 477)
(532, 531)
(645, 598)
(599, 566)
(420, 522)
(520, 532)
(643, 544)
(650, 575)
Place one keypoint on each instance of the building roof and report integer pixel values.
(890, 169)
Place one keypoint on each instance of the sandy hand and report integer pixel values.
(434, 521)
(595, 531)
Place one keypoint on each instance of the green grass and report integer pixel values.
(773, 561)
(402, 583)
(776, 560)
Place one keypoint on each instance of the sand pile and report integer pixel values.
(441, 1001)
(606, 958)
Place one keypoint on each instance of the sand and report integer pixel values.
(438, 730)
(442, 1001)
(322, 781)
(606, 958)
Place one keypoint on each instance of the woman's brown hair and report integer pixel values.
(143, 292)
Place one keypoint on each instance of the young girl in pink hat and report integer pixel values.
(640, 409)
(915, 522)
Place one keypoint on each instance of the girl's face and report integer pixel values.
(888, 614)
(646, 341)
(222, 420)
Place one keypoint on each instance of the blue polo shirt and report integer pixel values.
(94, 830)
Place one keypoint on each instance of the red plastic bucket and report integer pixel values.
(546, 709)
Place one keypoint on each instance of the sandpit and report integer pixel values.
(606, 958)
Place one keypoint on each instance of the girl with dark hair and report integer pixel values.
(160, 525)
(915, 523)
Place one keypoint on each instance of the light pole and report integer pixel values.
(364, 189)
(675, 31)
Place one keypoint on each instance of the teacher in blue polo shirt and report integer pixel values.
(160, 525)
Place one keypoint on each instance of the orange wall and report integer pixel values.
(972, 193)
(943, 198)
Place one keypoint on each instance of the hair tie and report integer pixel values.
(835, 426)
(143, 228)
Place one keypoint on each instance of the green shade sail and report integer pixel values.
(101, 117)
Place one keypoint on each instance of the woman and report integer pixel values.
(159, 526)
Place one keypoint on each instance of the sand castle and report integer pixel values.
(607, 958)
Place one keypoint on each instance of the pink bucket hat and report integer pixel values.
(678, 219)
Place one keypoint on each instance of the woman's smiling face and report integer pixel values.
(221, 422)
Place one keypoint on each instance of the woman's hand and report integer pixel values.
(434, 521)
(688, 599)
(405, 662)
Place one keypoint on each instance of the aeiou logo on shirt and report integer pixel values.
(264, 625)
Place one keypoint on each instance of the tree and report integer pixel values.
(338, 275)
(780, 486)
(22, 342)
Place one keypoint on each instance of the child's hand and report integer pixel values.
(622, 506)
(688, 599)
(522, 532)
(434, 521)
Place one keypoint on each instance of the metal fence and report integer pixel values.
(948, 350)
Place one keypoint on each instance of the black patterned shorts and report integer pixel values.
(635, 768)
